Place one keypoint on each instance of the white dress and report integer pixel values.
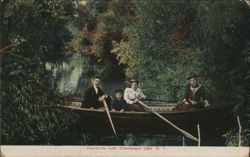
(130, 95)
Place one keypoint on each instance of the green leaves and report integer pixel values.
(168, 40)
(34, 30)
(232, 138)
(103, 23)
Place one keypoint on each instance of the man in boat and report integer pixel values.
(195, 95)
(133, 95)
(119, 104)
(94, 95)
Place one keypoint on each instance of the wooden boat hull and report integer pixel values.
(213, 120)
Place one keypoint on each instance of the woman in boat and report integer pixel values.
(133, 95)
(195, 95)
(119, 104)
(94, 95)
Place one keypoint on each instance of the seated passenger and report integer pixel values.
(133, 95)
(119, 104)
(195, 95)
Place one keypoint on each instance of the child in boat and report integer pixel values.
(119, 104)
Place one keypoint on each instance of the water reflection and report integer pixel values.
(71, 77)
(135, 140)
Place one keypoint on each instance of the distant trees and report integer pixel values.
(103, 23)
(168, 40)
(162, 42)
(158, 42)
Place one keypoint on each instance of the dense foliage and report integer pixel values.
(158, 42)
(103, 23)
(169, 40)
(232, 138)
(33, 32)
(162, 42)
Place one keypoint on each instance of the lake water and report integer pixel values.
(71, 77)
(136, 140)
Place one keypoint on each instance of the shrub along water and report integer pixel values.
(33, 32)
(158, 42)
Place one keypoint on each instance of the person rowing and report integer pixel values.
(94, 96)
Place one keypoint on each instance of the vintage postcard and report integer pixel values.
(125, 78)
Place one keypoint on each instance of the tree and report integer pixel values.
(168, 40)
(33, 32)
(104, 22)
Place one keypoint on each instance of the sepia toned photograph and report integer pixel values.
(125, 77)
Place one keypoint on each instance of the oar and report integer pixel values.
(160, 116)
(110, 119)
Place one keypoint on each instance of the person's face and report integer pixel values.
(96, 82)
(118, 96)
(134, 85)
(193, 82)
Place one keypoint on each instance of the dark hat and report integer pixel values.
(118, 91)
(192, 76)
(134, 80)
(96, 77)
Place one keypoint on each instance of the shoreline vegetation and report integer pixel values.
(158, 42)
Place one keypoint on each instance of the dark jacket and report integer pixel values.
(119, 104)
(90, 98)
(199, 95)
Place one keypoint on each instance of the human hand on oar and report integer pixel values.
(135, 101)
(102, 98)
(163, 118)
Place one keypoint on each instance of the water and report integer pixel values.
(71, 77)
(135, 140)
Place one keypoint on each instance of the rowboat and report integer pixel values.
(213, 120)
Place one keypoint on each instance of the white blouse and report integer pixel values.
(130, 95)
